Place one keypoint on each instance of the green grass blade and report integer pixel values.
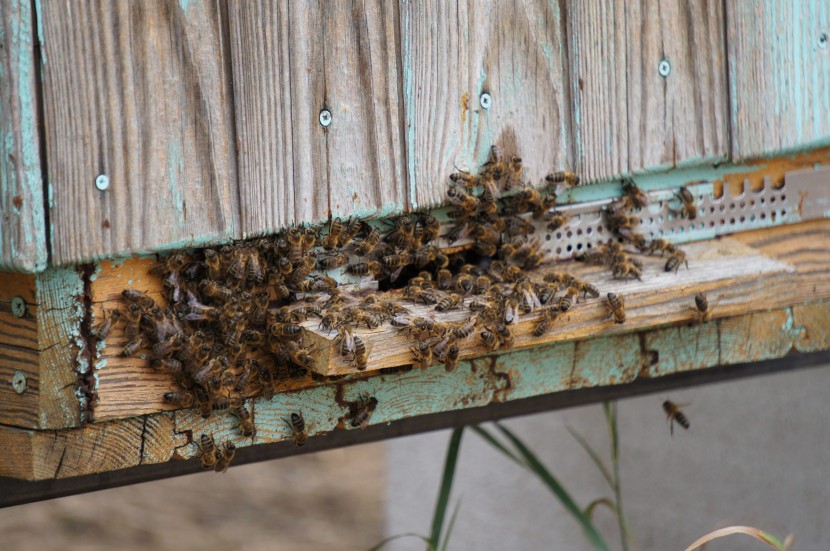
(496, 444)
(606, 474)
(450, 526)
(399, 536)
(589, 510)
(564, 497)
(446, 487)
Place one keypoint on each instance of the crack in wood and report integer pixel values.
(60, 462)
(143, 441)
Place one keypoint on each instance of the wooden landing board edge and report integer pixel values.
(602, 362)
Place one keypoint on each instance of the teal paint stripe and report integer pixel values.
(22, 176)
(408, 100)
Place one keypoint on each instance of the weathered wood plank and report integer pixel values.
(22, 225)
(779, 75)
(101, 447)
(455, 51)
(629, 118)
(341, 56)
(141, 93)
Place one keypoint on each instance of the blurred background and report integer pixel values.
(757, 453)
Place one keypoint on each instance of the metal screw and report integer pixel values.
(19, 382)
(822, 40)
(485, 100)
(325, 117)
(18, 307)
(102, 182)
(664, 68)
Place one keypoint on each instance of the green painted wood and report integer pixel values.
(779, 75)
(22, 221)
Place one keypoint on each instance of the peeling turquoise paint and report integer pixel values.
(185, 5)
(40, 36)
(175, 168)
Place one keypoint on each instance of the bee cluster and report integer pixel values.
(232, 326)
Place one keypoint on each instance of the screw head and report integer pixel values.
(664, 68)
(18, 307)
(19, 382)
(485, 100)
(102, 182)
(325, 117)
(822, 40)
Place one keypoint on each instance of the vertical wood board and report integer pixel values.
(139, 92)
(455, 51)
(779, 75)
(22, 222)
(629, 118)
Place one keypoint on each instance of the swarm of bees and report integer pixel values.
(232, 323)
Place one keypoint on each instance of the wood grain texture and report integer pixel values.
(608, 360)
(779, 75)
(627, 117)
(22, 224)
(289, 64)
(18, 351)
(453, 51)
(140, 92)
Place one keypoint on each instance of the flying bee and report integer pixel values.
(223, 461)
(332, 261)
(105, 328)
(616, 307)
(569, 178)
(635, 195)
(688, 207)
(209, 453)
(362, 411)
(369, 243)
(332, 239)
(179, 399)
(448, 303)
(702, 307)
(297, 425)
(674, 413)
(246, 421)
(556, 220)
(543, 325)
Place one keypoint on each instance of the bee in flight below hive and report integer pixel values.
(674, 413)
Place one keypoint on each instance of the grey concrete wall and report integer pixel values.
(757, 453)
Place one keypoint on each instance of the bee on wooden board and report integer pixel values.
(701, 308)
(209, 453)
(105, 328)
(615, 307)
(246, 421)
(361, 411)
(224, 458)
(674, 413)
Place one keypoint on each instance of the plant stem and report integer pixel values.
(610, 409)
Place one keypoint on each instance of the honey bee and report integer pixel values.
(402, 233)
(465, 179)
(556, 220)
(365, 268)
(450, 359)
(466, 329)
(132, 347)
(179, 399)
(362, 411)
(489, 339)
(332, 261)
(431, 226)
(448, 303)
(466, 203)
(688, 207)
(570, 296)
(495, 168)
(616, 307)
(569, 178)
(214, 290)
(635, 195)
(105, 328)
(209, 452)
(297, 425)
(213, 263)
(514, 173)
(246, 421)
(625, 270)
(278, 329)
(332, 239)
(223, 461)
(702, 307)
(543, 325)
(674, 413)
(133, 316)
(505, 336)
(464, 283)
(422, 354)
(482, 284)
(360, 357)
(369, 243)
(168, 346)
(353, 228)
(675, 259)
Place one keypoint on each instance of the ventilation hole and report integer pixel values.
(660, 233)
(722, 208)
(752, 218)
(588, 246)
(762, 200)
(743, 205)
(763, 216)
(569, 234)
(711, 223)
(701, 225)
(579, 246)
(700, 198)
(731, 206)
(722, 221)
(547, 237)
(742, 219)
(661, 204)
(702, 211)
(659, 219)
(711, 209)
(578, 232)
(670, 217)
(559, 235)
(783, 212)
(783, 197)
(752, 202)
(558, 250)
(681, 229)
(600, 229)
(589, 230)
(772, 199)
(732, 221)
(570, 248)
(773, 216)
(651, 220)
